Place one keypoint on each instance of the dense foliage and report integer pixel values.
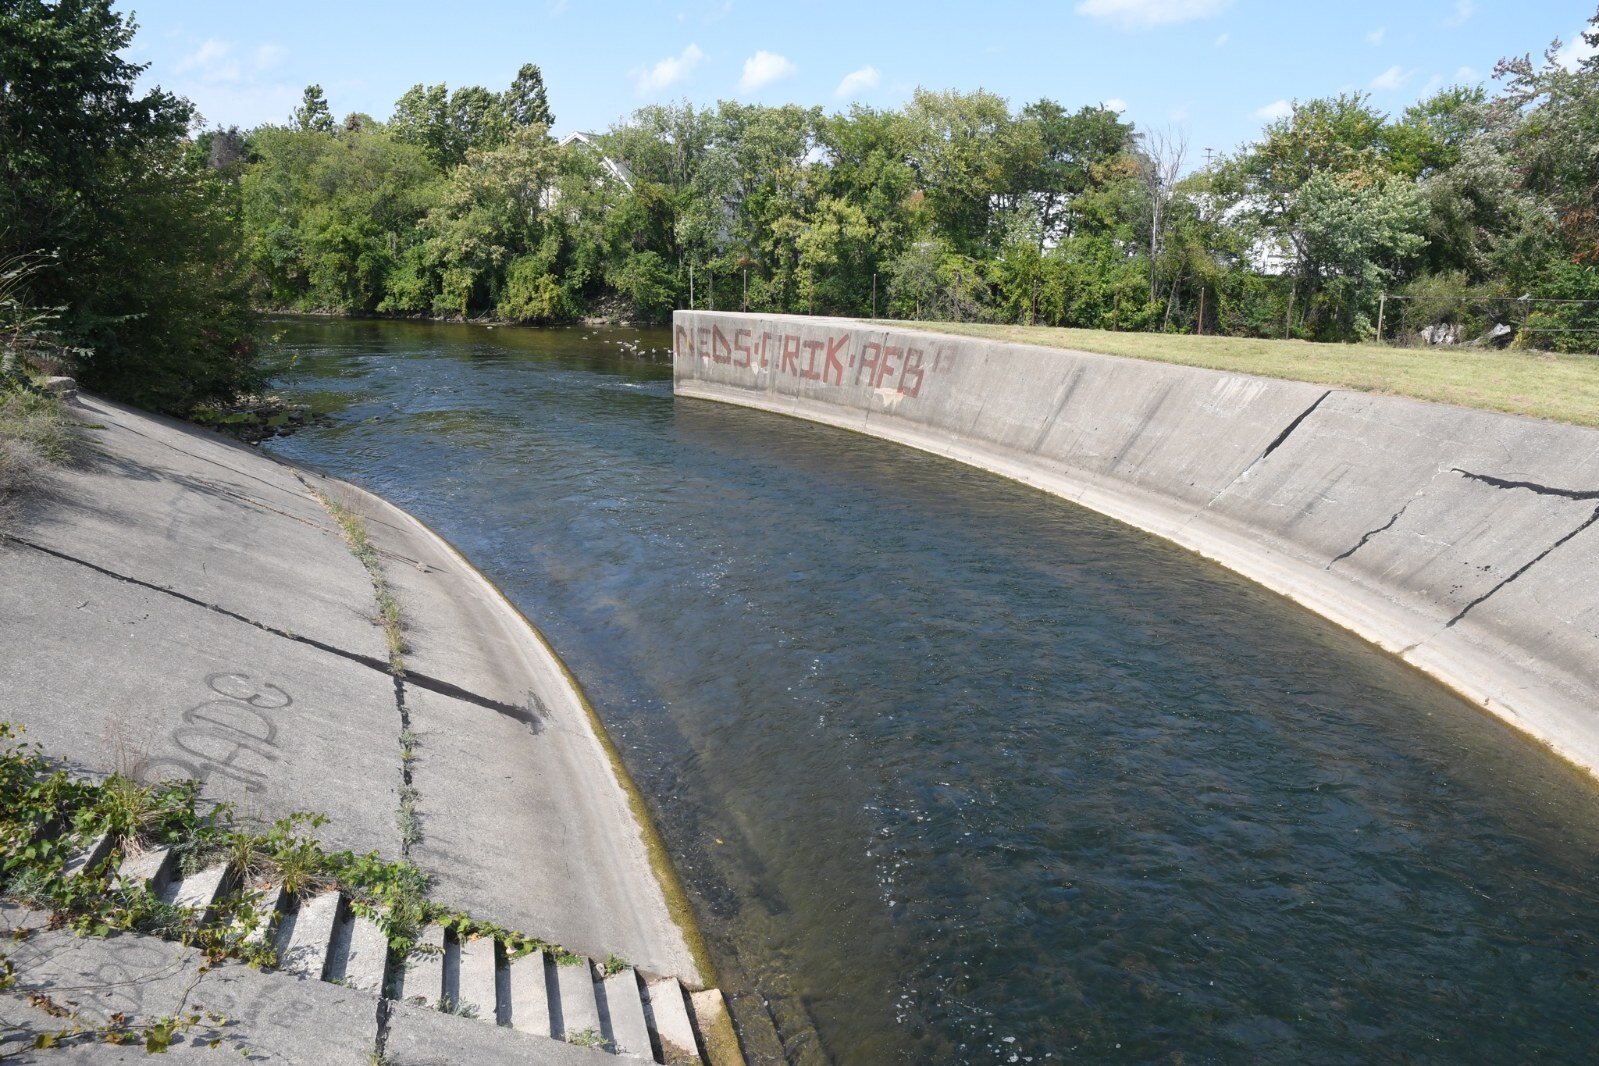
(954, 206)
(127, 231)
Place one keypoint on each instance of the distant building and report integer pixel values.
(612, 167)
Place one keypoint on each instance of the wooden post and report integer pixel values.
(691, 286)
(746, 289)
(1202, 310)
(874, 294)
(1288, 319)
(1382, 305)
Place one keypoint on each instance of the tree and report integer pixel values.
(526, 103)
(313, 113)
(142, 235)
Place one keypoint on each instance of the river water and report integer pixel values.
(955, 771)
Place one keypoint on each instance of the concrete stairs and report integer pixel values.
(536, 996)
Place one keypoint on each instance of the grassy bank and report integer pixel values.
(35, 434)
(1563, 388)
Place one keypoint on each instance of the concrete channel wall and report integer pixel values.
(1465, 542)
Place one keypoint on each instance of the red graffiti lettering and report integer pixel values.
(886, 367)
(834, 346)
(910, 375)
(682, 346)
(702, 346)
(790, 355)
(877, 354)
(741, 345)
(810, 366)
(721, 350)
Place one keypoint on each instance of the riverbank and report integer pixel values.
(178, 606)
(1562, 388)
(1461, 541)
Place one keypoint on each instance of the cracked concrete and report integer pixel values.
(181, 606)
(1456, 545)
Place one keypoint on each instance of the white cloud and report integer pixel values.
(1221, 40)
(1574, 51)
(668, 71)
(211, 62)
(1115, 103)
(1392, 78)
(1465, 75)
(1374, 38)
(1181, 114)
(763, 68)
(1464, 9)
(856, 81)
(1142, 14)
(268, 56)
(1275, 110)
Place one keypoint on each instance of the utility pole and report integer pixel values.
(710, 292)
(1382, 305)
(746, 289)
(1208, 153)
(691, 286)
(874, 294)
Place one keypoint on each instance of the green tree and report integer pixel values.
(313, 114)
(526, 103)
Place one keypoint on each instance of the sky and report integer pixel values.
(1211, 72)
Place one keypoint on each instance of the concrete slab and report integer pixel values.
(529, 995)
(423, 980)
(668, 1014)
(174, 690)
(199, 890)
(477, 988)
(577, 1011)
(419, 1037)
(191, 510)
(622, 1010)
(266, 1016)
(507, 753)
(306, 936)
(366, 958)
(151, 867)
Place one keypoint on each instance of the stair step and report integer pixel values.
(268, 908)
(475, 985)
(530, 995)
(199, 891)
(715, 1027)
(574, 995)
(668, 1012)
(90, 856)
(305, 942)
(366, 960)
(424, 971)
(152, 867)
(624, 1009)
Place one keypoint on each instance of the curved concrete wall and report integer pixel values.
(1463, 541)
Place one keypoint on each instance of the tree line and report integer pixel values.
(1476, 205)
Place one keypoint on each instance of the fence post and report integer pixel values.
(1382, 305)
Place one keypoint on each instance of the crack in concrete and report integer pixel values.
(1530, 486)
(432, 684)
(1289, 429)
(1591, 519)
(1362, 542)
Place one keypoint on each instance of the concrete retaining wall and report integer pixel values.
(1463, 541)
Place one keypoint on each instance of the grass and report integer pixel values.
(1562, 388)
(35, 434)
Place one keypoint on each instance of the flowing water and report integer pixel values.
(955, 771)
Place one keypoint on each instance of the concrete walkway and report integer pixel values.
(180, 606)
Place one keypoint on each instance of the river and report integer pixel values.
(956, 771)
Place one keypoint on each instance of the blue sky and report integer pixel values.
(1215, 70)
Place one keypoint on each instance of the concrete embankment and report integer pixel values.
(180, 606)
(1465, 542)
